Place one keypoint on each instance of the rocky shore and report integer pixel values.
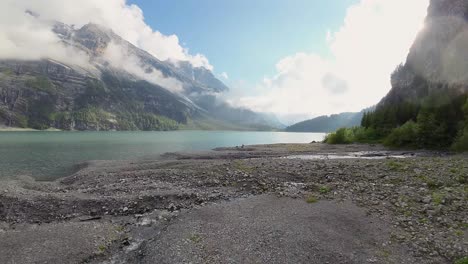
(286, 203)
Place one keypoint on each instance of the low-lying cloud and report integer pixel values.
(22, 37)
(118, 55)
(25, 36)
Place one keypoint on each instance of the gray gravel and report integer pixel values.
(419, 202)
(267, 229)
(70, 242)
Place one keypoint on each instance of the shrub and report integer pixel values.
(312, 199)
(365, 135)
(461, 143)
(324, 189)
(341, 136)
(353, 134)
(404, 136)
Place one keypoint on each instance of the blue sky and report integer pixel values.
(246, 38)
(294, 58)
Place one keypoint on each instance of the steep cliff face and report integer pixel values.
(46, 93)
(438, 58)
(427, 106)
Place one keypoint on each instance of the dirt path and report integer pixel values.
(267, 229)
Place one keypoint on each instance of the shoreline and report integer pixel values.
(19, 129)
(420, 201)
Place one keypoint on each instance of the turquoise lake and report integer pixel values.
(50, 155)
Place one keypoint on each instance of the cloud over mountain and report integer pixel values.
(24, 36)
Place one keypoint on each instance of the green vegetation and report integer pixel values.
(324, 189)
(438, 198)
(312, 199)
(395, 166)
(241, 166)
(41, 83)
(353, 134)
(462, 261)
(195, 238)
(439, 121)
(341, 136)
(145, 122)
(21, 120)
(101, 249)
(6, 71)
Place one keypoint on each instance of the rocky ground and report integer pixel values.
(287, 203)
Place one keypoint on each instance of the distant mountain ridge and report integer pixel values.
(325, 124)
(117, 87)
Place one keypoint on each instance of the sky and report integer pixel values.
(246, 38)
(295, 58)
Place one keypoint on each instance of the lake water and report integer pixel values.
(49, 155)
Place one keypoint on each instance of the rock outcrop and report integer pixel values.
(438, 58)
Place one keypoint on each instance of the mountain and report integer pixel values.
(427, 106)
(106, 83)
(325, 124)
(438, 59)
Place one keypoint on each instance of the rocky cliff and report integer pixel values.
(438, 59)
(427, 106)
(116, 86)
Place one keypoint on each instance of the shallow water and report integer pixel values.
(370, 155)
(49, 155)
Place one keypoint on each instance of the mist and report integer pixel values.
(26, 36)
(118, 56)
(29, 37)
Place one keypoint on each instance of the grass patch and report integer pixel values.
(423, 220)
(463, 260)
(438, 198)
(431, 183)
(102, 248)
(299, 148)
(324, 189)
(7, 71)
(462, 178)
(312, 199)
(241, 166)
(395, 165)
(195, 238)
(119, 228)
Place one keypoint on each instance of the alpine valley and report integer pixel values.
(110, 84)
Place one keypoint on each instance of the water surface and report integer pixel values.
(49, 155)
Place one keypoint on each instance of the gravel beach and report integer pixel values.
(285, 203)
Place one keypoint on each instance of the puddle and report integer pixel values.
(370, 155)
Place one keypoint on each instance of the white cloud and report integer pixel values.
(375, 37)
(122, 59)
(17, 33)
(224, 75)
(25, 37)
